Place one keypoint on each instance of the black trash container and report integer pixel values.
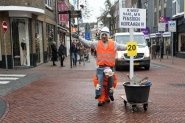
(137, 93)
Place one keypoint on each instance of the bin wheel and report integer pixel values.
(125, 103)
(134, 108)
(145, 106)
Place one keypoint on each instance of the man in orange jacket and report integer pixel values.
(106, 51)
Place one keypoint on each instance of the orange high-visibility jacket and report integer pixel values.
(106, 55)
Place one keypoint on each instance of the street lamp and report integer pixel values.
(72, 14)
(109, 16)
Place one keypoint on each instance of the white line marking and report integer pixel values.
(15, 75)
(5, 78)
(4, 82)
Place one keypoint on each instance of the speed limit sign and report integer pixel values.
(131, 48)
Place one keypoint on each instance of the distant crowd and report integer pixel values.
(80, 53)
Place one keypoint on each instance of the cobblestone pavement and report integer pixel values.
(66, 95)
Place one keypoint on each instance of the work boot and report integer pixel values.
(101, 103)
(97, 96)
(111, 98)
(107, 101)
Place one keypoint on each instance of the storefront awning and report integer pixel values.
(22, 9)
(146, 36)
(167, 34)
(153, 35)
(63, 29)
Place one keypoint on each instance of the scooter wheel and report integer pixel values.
(125, 103)
(145, 106)
(134, 108)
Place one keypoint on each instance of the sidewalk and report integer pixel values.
(67, 63)
(175, 62)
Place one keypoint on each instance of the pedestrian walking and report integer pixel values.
(161, 49)
(153, 47)
(106, 52)
(62, 53)
(157, 49)
(74, 52)
(54, 52)
(81, 53)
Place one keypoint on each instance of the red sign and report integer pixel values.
(63, 18)
(162, 19)
(5, 26)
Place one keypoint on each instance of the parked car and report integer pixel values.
(142, 59)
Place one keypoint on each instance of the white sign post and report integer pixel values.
(132, 18)
(172, 28)
(161, 27)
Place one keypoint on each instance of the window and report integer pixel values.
(155, 18)
(181, 2)
(182, 47)
(49, 3)
(174, 8)
(159, 13)
(164, 12)
(178, 6)
(123, 39)
(159, 2)
(155, 3)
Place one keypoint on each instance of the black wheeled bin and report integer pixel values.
(137, 94)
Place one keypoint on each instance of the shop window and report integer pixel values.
(182, 48)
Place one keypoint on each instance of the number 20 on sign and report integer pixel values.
(131, 48)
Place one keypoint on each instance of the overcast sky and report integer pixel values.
(96, 7)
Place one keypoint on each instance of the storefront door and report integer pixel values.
(20, 41)
(181, 42)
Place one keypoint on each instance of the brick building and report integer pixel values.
(32, 26)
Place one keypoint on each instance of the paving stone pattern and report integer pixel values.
(66, 95)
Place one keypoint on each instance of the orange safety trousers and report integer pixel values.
(104, 96)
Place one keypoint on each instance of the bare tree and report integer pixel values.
(86, 11)
(106, 11)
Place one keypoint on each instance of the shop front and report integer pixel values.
(19, 37)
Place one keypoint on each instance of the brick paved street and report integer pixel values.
(65, 95)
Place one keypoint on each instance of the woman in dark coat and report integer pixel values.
(54, 53)
(62, 53)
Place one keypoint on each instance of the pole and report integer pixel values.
(78, 17)
(110, 25)
(160, 44)
(70, 37)
(5, 50)
(172, 37)
(131, 57)
(172, 47)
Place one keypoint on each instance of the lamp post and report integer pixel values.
(109, 16)
(72, 14)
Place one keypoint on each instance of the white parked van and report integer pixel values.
(142, 59)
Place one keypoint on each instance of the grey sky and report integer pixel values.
(96, 7)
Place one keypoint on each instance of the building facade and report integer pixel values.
(179, 36)
(167, 10)
(32, 26)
